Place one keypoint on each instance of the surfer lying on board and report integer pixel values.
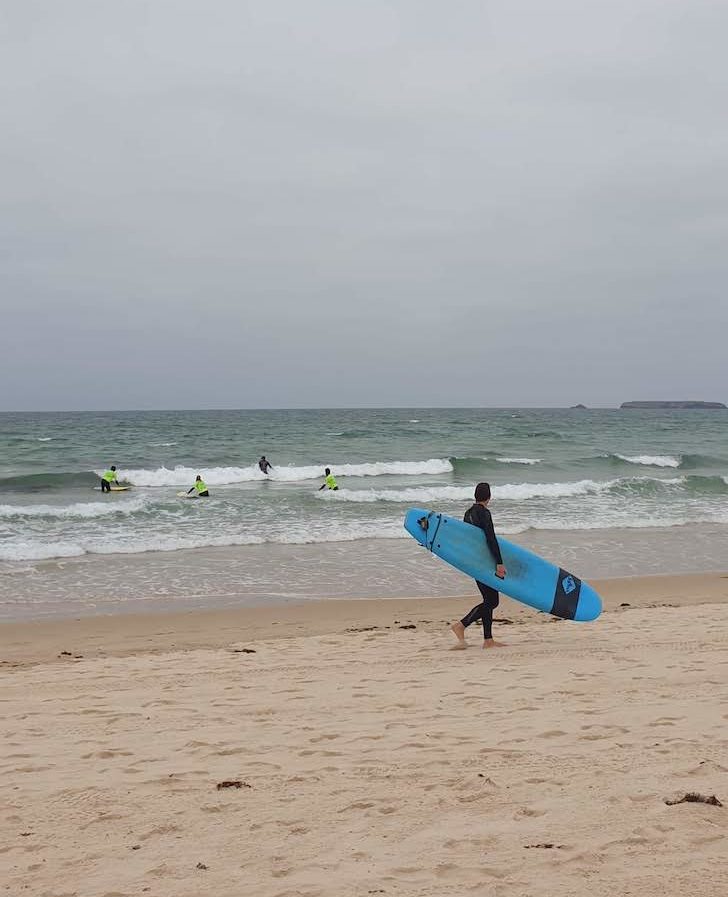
(330, 481)
(265, 464)
(479, 515)
(200, 486)
(108, 478)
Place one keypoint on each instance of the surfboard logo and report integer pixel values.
(566, 595)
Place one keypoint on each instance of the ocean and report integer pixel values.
(602, 492)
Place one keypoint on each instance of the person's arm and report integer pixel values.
(191, 490)
(486, 523)
(322, 487)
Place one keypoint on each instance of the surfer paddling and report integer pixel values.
(479, 515)
(199, 488)
(108, 478)
(329, 481)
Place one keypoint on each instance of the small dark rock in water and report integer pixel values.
(408, 626)
(692, 797)
(200, 866)
(232, 783)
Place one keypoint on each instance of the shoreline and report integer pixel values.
(28, 642)
(226, 577)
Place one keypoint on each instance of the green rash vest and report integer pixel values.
(200, 486)
(330, 481)
(109, 476)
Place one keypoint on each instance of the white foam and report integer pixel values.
(31, 550)
(651, 460)
(45, 438)
(507, 492)
(83, 510)
(221, 476)
(158, 444)
(27, 550)
(519, 460)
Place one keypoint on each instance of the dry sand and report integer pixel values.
(374, 761)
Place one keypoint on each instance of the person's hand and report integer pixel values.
(500, 571)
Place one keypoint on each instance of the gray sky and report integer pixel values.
(235, 204)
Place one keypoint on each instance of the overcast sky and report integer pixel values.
(305, 203)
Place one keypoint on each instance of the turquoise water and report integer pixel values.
(564, 478)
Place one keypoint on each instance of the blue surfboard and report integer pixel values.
(530, 579)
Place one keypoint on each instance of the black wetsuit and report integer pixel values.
(479, 516)
(265, 466)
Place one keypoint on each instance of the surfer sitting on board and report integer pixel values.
(265, 464)
(108, 478)
(200, 487)
(479, 515)
(330, 481)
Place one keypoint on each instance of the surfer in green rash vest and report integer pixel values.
(330, 481)
(108, 478)
(201, 488)
(479, 515)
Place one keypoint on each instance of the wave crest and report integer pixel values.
(651, 460)
(223, 476)
(82, 510)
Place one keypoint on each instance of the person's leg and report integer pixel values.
(490, 602)
(458, 628)
(473, 615)
(105, 487)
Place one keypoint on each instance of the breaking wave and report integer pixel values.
(222, 476)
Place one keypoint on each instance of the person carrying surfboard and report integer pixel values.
(330, 481)
(200, 486)
(265, 464)
(479, 515)
(108, 478)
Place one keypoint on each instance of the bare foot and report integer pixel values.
(492, 643)
(458, 630)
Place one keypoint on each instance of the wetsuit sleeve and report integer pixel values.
(485, 522)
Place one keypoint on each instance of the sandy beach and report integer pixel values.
(363, 756)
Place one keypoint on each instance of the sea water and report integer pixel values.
(604, 492)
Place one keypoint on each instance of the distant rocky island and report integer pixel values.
(640, 405)
(579, 407)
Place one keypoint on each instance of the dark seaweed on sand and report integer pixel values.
(692, 797)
